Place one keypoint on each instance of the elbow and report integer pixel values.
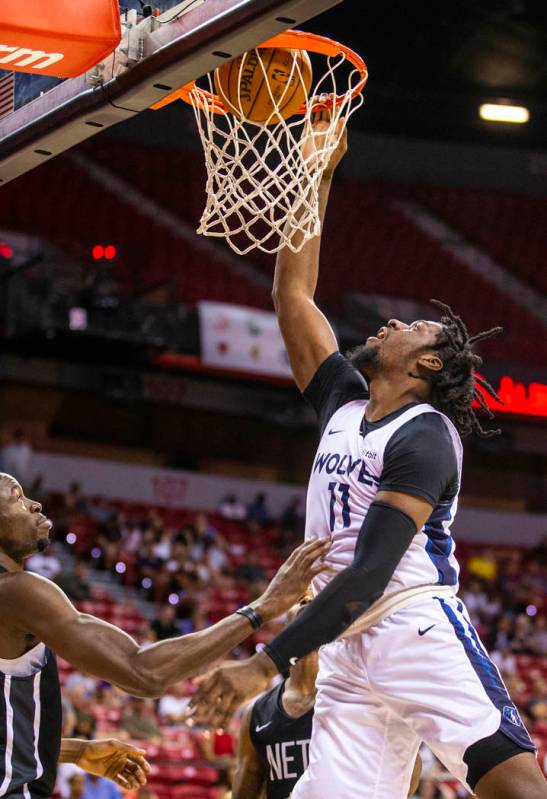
(147, 685)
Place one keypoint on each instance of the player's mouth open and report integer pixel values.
(381, 334)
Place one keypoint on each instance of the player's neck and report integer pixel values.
(388, 394)
(302, 677)
(10, 564)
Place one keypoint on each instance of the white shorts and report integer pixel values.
(422, 674)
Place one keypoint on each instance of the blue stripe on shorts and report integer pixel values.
(511, 724)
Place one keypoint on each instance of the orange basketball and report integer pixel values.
(253, 84)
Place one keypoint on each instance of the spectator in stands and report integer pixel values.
(36, 489)
(75, 582)
(509, 579)
(539, 554)
(206, 530)
(484, 566)
(172, 705)
(231, 508)
(534, 579)
(96, 788)
(501, 635)
(215, 556)
(86, 725)
(44, 563)
(537, 705)
(81, 683)
(475, 600)
(76, 785)
(69, 716)
(141, 793)
(98, 508)
(251, 572)
(540, 635)
(428, 789)
(257, 511)
(109, 540)
(163, 547)
(291, 523)
(523, 638)
(146, 636)
(165, 626)
(75, 501)
(505, 661)
(17, 457)
(139, 723)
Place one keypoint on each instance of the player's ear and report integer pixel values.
(430, 361)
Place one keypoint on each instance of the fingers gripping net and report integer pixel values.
(263, 179)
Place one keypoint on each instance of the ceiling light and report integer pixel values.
(497, 112)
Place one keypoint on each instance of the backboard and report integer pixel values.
(157, 54)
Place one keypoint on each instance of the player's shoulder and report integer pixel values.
(335, 383)
(24, 586)
(425, 436)
(432, 424)
(335, 367)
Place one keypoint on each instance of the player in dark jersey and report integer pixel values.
(276, 732)
(400, 661)
(38, 620)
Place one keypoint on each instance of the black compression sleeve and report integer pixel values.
(384, 537)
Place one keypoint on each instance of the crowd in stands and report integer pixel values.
(192, 568)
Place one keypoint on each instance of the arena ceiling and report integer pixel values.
(432, 64)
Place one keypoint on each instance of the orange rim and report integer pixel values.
(292, 40)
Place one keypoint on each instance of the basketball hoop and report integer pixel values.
(262, 193)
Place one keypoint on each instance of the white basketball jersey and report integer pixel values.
(344, 481)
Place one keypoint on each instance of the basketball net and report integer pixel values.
(262, 193)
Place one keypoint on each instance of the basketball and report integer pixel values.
(255, 84)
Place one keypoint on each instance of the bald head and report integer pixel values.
(24, 530)
(8, 484)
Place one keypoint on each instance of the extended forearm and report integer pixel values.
(176, 659)
(298, 272)
(110, 654)
(71, 750)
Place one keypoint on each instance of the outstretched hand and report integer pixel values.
(293, 578)
(226, 688)
(314, 136)
(120, 762)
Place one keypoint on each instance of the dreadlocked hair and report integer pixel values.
(456, 386)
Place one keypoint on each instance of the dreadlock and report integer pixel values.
(456, 386)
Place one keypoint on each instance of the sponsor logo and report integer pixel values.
(334, 432)
(370, 455)
(23, 57)
(511, 714)
(262, 726)
(427, 629)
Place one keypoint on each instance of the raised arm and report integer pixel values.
(250, 776)
(308, 335)
(37, 606)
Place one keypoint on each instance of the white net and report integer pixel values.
(262, 182)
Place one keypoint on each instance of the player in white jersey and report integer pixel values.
(400, 662)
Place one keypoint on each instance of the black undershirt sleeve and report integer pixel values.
(335, 383)
(420, 459)
(384, 537)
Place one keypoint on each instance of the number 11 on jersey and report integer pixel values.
(343, 490)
